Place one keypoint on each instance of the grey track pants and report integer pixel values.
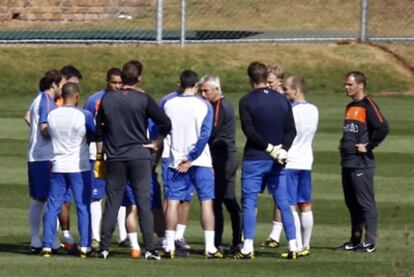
(138, 173)
(358, 186)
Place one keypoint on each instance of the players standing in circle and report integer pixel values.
(69, 128)
(223, 149)
(364, 129)
(267, 121)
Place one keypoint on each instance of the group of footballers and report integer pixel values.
(112, 146)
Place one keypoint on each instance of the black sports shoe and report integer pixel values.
(216, 255)
(348, 246)
(35, 250)
(365, 248)
(239, 255)
(103, 254)
(271, 243)
(291, 255)
(124, 243)
(152, 255)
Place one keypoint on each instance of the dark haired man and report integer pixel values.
(267, 121)
(40, 152)
(364, 129)
(190, 160)
(122, 123)
(71, 74)
(113, 82)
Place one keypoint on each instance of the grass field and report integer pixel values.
(323, 67)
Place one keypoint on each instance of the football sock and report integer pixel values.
(133, 241)
(96, 217)
(307, 226)
(67, 237)
(277, 228)
(121, 224)
(298, 231)
(35, 214)
(209, 241)
(179, 231)
(292, 246)
(170, 237)
(247, 246)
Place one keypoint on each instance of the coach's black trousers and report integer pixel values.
(138, 173)
(358, 186)
(225, 167)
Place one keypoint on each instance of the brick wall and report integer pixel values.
(68, 10)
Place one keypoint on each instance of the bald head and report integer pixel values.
(70, 93)
(295, 88)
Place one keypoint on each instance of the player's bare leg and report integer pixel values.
(131, 225)
(182, 221)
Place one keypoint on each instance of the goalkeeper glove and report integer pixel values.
(281, 156)
(99, 170)
(273, 150)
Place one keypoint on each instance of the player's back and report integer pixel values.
(40, 148)
(269, 111)
(306, 118)
(67, 129)
(188, 114)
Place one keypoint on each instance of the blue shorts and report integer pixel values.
(39, 179)
(299, 184)
(98, 186)
(257, 175)
(164, 174)
(179, 184)
(129, 198)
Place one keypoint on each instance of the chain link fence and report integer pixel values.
(206, 21)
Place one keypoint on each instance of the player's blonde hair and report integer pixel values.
(211, 80)
(276, 70)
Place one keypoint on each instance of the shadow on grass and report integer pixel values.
(17, 248)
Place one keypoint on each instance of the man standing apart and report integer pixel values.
(225, 161)
(122, 124)
(364, 129)
(68, 128)
(299, 162)
(267, 121)
(190, 161)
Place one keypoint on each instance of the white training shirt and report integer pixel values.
(40, 148)
(68, 127)
(191, 119)
(300, 154)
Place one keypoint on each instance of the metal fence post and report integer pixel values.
(182, 30)
(363, 36)
(159, 21)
